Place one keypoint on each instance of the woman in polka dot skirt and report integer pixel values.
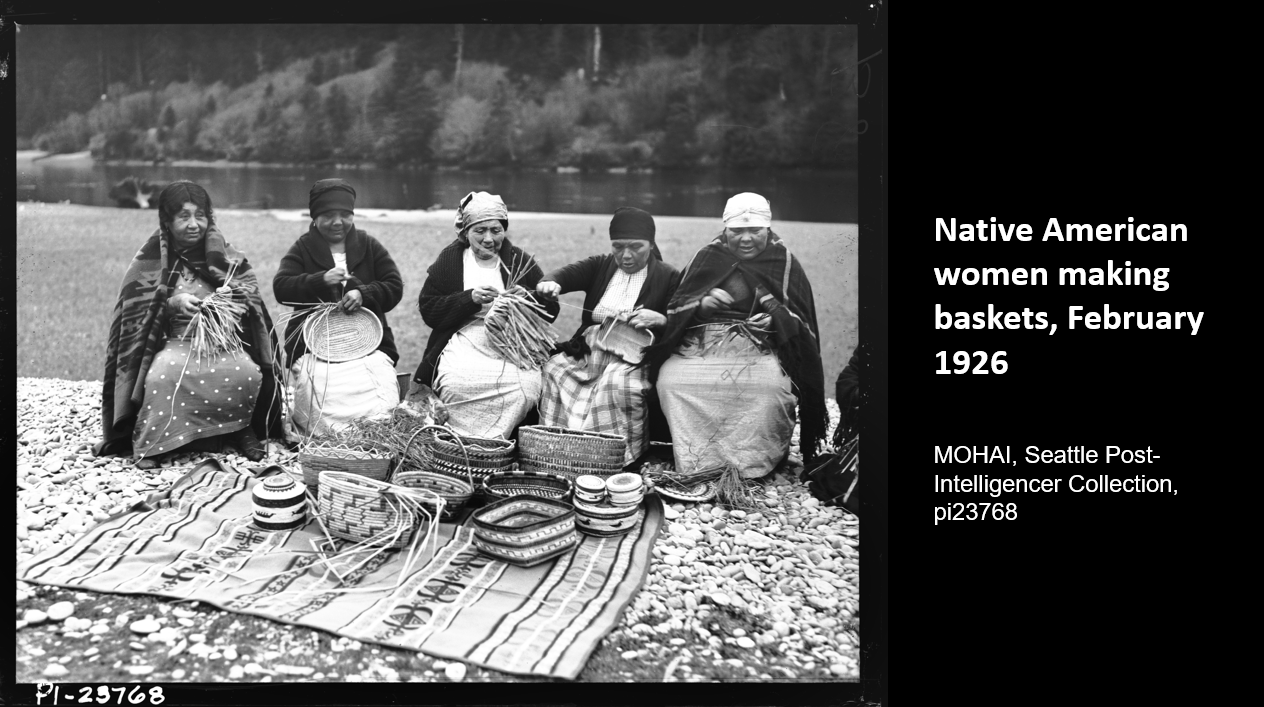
(158, 391)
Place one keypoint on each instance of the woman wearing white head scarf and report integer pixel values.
(740, 350)
(485, 396)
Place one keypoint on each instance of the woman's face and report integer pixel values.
(631, 253)
(485, 238)
(188, 226)
(335, 224)
(747, 242)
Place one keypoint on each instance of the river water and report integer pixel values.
(796, 195)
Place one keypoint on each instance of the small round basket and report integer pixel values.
(454, 491)
(530, 483)
(570, 453)
(321, 456)
(337, 336)
(355, 509)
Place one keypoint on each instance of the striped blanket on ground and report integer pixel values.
(196, 541)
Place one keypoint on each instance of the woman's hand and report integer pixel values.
(334, 276)
(352, 301)
(767, 301)
(646, 319)
(713, 300)
(184, 303)
(483, 294)
(549, 289)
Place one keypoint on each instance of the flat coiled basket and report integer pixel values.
(359, 510)
(529, 483)
(569, 453)
(455, 491)
(363, 460)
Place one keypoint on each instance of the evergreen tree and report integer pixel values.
(337, 112)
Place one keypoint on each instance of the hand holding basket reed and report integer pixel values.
(216, 327)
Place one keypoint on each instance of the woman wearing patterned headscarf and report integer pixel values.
(485, 396)
(337, 262)
(740, 349)
(163, 393)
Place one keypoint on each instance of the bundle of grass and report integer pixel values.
(216, 328)
(516, 328)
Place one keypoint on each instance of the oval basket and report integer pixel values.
(529, 483)
(319, 456)
(478, 458)
(569, 453)
(354, 510)
(340, 336)
(454, 491)
(525, 530)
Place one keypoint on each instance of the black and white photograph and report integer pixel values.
(451, 353)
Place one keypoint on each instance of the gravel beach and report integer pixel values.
(769, 593)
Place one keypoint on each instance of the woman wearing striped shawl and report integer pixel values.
(161, 395)
(741, 348)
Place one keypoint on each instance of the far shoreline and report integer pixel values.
(86, 156)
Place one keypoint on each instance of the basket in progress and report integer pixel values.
(337, 336)
(529, 483)
(525, 530)
(622, 339)
(320, 456)
(569, 453)
(362, 511)
(454, 491)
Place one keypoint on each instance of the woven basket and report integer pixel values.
(341, 336)
(454, 491)
(354, 510)
(525, 530)
(529, 483)
(569, 453)
(319, 457)
(478, 457)
(622, 339)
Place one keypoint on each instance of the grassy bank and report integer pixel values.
(71, 260)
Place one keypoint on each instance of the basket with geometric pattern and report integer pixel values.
(569, 453)
(454, 491)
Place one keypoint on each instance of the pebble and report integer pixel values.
(628, 655)
(230, 653)
(178, 674)
(294, 669)
(34, 616)
(55, 670)
(140, 669)
(721, 598)
(455, 671)
(144, 626)
(236, 672)
(745, 642)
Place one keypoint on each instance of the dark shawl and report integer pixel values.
(796, 335)
(445, 302)
(370, 269)
(593, 274)
(138, 331)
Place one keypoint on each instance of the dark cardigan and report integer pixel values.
(446, 304)
(370, 270)
(592, 275)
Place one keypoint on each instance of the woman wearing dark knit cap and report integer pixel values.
(594, 384)
(337, 262)
(485, 396)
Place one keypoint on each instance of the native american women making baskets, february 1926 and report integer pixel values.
(190, 356)
(741, 346)
(487, 392)
(335, 262)
(593, 384)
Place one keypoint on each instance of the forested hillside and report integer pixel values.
(458, 95)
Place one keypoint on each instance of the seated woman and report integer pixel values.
(485, 396)
(337, 262)
(162, 393)
(741, 345)
(589, 386)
